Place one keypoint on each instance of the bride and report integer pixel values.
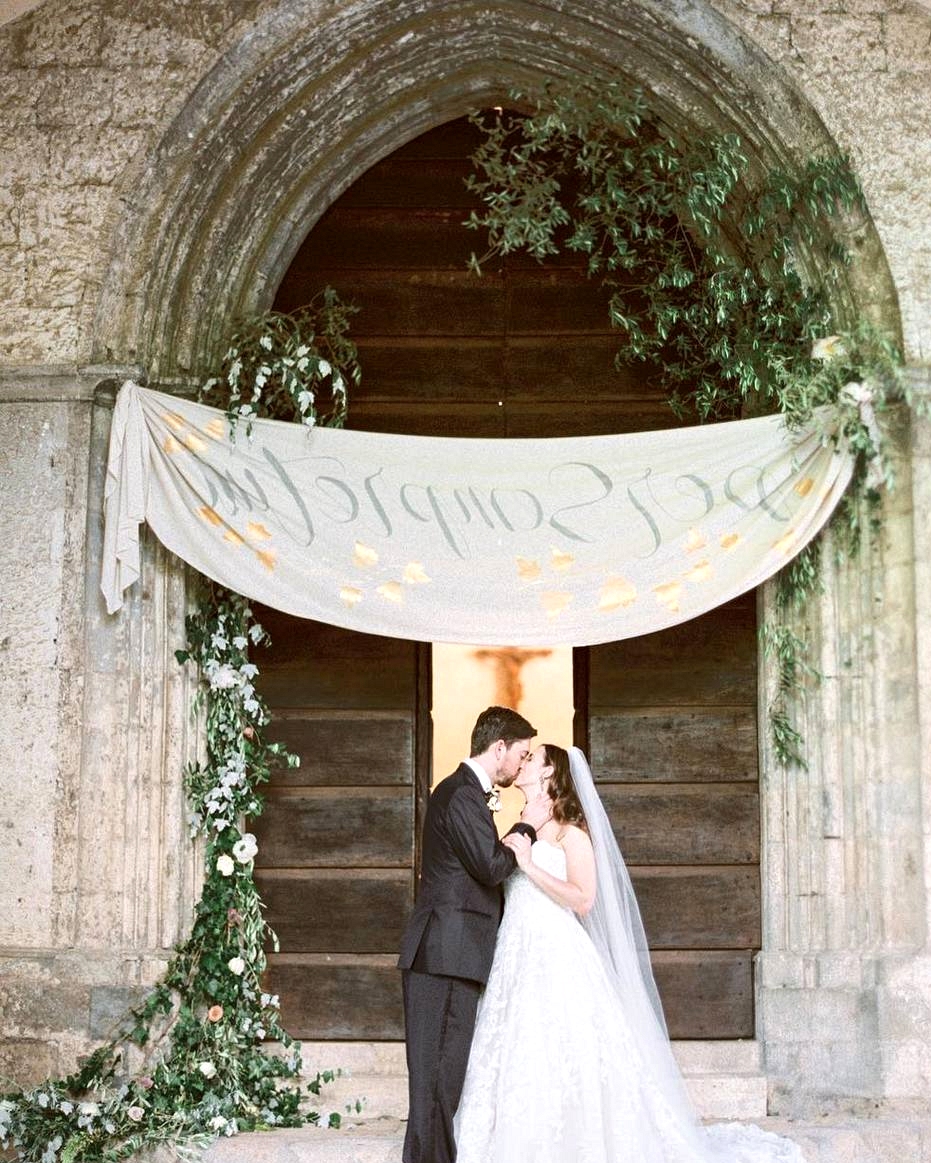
(570, 1062)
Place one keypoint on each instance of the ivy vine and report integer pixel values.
(719, 275)
(201, 1033)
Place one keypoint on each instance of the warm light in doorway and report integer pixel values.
(466, 679)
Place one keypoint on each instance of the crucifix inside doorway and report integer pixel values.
(508, 662)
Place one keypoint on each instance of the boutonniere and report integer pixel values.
(493, 800)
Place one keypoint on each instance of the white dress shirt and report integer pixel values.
(480, 772)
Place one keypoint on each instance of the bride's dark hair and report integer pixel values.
(566, 806)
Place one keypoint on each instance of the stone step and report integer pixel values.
(889, 1139)
(724, 1079)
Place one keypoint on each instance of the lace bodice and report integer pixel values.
(523, 897)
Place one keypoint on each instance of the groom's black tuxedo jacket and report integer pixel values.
(453, 927)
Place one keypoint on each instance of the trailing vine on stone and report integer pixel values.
(720, 276)
(189, 1064)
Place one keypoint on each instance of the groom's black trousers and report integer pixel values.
(439, 1015)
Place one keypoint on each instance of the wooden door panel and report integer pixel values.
(412, 181)
(428, 372)
(337, 996)
(700, 907)
(378, 237)
(339, 748)
(316, 666)
(704, 744)
(600, 418)
(323, 911)
(347, 827)
(335, 865)
(672, 734)
(707, 994)
(685, 823)
(708, 661)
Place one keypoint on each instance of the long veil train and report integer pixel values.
(617, 932)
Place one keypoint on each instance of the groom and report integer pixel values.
(447, 948)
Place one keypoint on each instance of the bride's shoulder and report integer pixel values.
(572, 836)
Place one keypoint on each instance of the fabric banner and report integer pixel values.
(522, 542)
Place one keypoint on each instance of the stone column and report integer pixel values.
(103, 867)
(845, 889)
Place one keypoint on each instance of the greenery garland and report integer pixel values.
(720, 276)
(200, 1030)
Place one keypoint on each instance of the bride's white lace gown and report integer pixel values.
(557, 1073)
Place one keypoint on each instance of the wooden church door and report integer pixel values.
(336, 839)
(672, 738)
(669, 720)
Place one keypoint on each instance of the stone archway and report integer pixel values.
(298, 110)
(310, 99)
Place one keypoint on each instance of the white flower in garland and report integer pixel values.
(245, 848)
(236, 966)
(136, 1113)
(222, 676)
(207, 1069)
(225, 865)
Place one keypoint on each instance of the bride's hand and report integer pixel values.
(520, 846)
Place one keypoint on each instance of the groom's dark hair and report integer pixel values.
(496, 723)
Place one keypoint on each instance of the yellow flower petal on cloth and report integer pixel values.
(729, 540)
(234, 538)
(528, 569)
(804, 486)
(211, 516)
(554, 602)
(215, 429)
(174, 420)
(615, 593)
(268, 557)
(350, 596)
(364, 555)
(560, 560)
(695, 540)
(668, 594)
(194, 442)
(414, 574)
(258, 532)
(391, 591)
(700, 572)
(786, 541)
(170, 445)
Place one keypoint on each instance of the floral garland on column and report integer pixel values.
(204, 1071)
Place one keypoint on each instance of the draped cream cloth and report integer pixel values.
(577, 540)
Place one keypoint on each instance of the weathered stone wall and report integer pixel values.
(865, 67)
(86, 90)
(136, 133)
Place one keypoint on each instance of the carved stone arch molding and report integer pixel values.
(316, 93)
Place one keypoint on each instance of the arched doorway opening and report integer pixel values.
(669, 720)
(208, 221)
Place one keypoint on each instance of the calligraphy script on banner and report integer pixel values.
(577, 540)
